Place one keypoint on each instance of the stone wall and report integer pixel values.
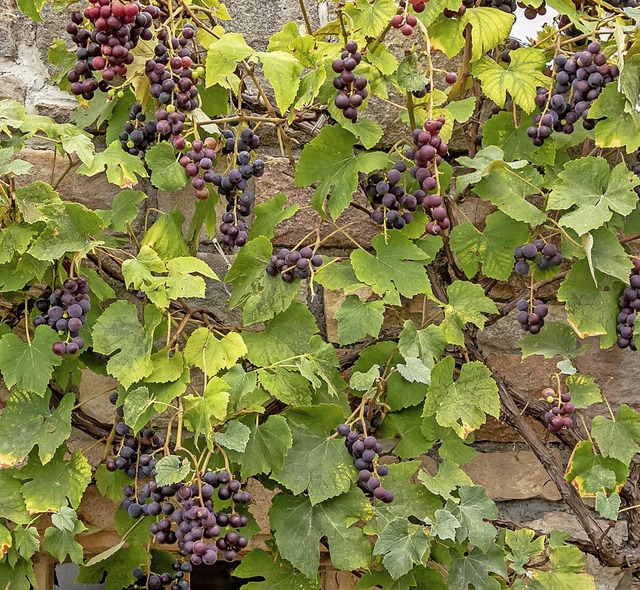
(510, 472)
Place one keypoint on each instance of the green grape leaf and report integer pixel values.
(591, 308)
(489, 28)
(223, 56)
(172, 469)
(260, 295)
(9, 166)
(618, 438)
(402, 545)
(27, 421)
(115, 572)
(11, 502)
(290, 387)
(235, 437)
(364, 381)
(447, 34)
(584, 390)
(329, 159)
(26, 541)
(266, 448)
(520, 78)
(19, 576)
(608, 507)
(414, 371)
(165, 236)
(606, 253)
(371, 18)
(143, 403)
(592, 192)
(118, 329)
(269, 214)
(409, 74)
(99, 287)
(476, 568)
(566, 564)
(202, 413)
(467, 304)
(444, 525)
(493, 247)
(408, 425)
(330, 474)
(618, 125)
(448, 479)
(427, 344)
(500, 131)
(278, 574)
(283, 72)
(434, 9)
(123, 211)
(523, 545)
(358, 319)
(473, 508)
(60, 541)
(556, 339)
(209, 354)
(29, 365)
(110, 483)
(396, 269)
(63, 480)
(463, 404)
(121, 167)
(166, 172)
(299, 525)
(584, 460)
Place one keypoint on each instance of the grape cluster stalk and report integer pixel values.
(364, 449)
(352, 88)
(562, 408)
(105, 34)
(544, 255)
(292, 264)
(629, 303)
(64, 310)
(579, 80)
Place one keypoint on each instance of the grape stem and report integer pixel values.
(305, 16)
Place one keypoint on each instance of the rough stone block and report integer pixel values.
(516, 475)
(8, 43)
(94, 396)
(11, 87)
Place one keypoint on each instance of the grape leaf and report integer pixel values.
(414, 371)
(110, 483)
(608, 507)
(606, 253)
(329, 159)
(166, 172)
(493, 247)
(489, 28)
(290, 387)
(409, 74)
(121, 167)
(165, 236)
(444, 525)
(591, 308)
(118, 329)
(223, 55)
(556, 339)
(202, 413)
(407, 424)
(278, 574)
(269, 214)
(618, 438)
(123, 210)
(364, 381)
(402, 544)
(27, 421)
(331, 473)
(115, 571)
(467, 304)
(235, 437)
(61, 542)
(299, 525)
(266, 448)
(500, 131)
(260, 295)
(63, 480)
(520, 78)
(473, 508)
(372, 18)
(172, 469)
(396, 269)
(464, 404)
(434, 9)
(584, 460)
(209, 354)
(11, 502)
(19, 576)
(28, 365)
(448, 479)
(523, 546)
(283, 72)
(26, 541)
(476, 568)
(618, 125)
(592, 192)
(584, 390)
(427, 344)
(566, 564)
(358, 319)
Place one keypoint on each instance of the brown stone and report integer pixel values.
(12, 88)
(495, 431)
(94, 395)
(516, 475)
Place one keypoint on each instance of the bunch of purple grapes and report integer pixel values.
(531, 315)
(405, 22)
(292, 264)
(234, 186)
(65, 311)
(562, 409)
(363, 449)
(391, 204)
(137, 135)
(579, 81)
(531, 12)
(545, 255)
(352, 89)
(198, 163)
(171, 72)
(116, 27)
(427, 153)
(151, 581)
(629, 304)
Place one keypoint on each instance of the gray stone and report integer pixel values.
(8, 43)
(12, 88)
